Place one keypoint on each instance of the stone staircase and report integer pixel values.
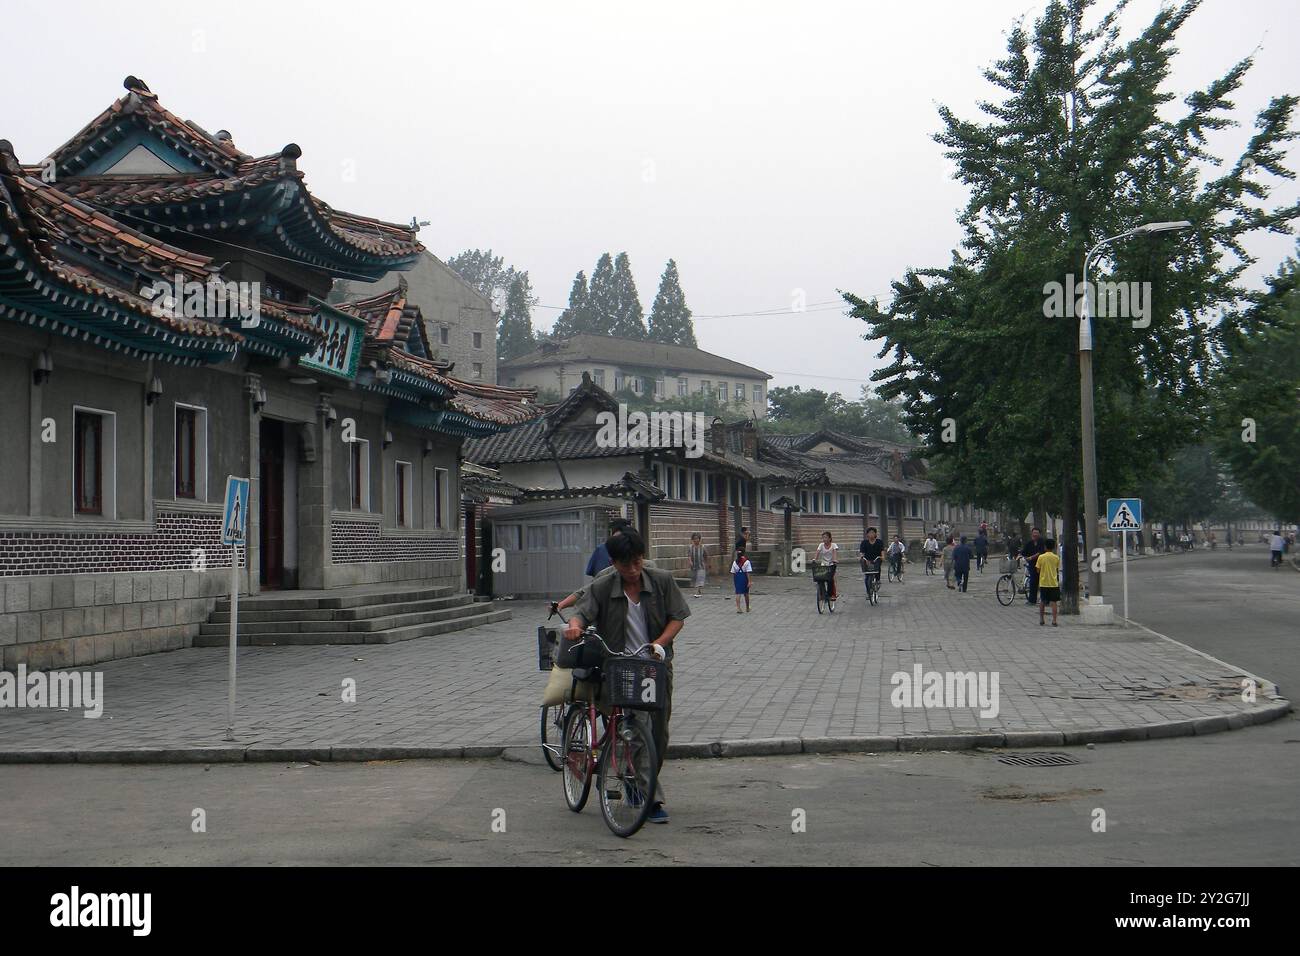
(363, 615)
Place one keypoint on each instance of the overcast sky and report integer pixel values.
(772, 149)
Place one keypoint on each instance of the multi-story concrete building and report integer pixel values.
(459, 320)
(651, 369)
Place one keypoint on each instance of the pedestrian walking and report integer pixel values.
(1032, 549)
(699, 558)
(961, 556)
(1047, 567)
(740, 572)
(948, 549)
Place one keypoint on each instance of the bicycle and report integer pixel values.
(871, 577)
(895, 569)
(1012, 583)
(622, 754)
(929, 562)
(824, 577)
(552, 714)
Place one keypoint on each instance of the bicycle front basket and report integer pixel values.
(635, 683)
(824, 573)
(547, 639)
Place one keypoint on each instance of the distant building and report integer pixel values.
(651, 369)
(459, 321)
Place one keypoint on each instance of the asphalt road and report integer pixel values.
(1199, 801)
(1229, 604)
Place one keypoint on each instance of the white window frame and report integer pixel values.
(683, 387)
(407, 492)
(598, 376)
(758, 394)
(108, 453)
(200, 452)
(478, 340)
(365, 474)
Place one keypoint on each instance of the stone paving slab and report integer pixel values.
(779, 679)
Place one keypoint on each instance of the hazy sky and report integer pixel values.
(768, 147)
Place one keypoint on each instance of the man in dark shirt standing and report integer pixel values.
(599, 559)
(870, 551)
(961, 556)
(1030, 552)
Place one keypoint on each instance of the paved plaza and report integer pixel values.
(778, 679)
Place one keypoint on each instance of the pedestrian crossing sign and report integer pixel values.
(234, 522)
(1124, 514)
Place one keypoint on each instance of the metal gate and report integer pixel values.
(546, 545)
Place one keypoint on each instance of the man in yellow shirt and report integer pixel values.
(1048, 565)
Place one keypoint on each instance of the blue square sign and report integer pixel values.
(1124, 514)
(234, 521)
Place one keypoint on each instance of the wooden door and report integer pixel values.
(271, 507)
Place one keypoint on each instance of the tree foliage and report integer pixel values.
(670, 319)
(515, 336)
(795, 411)
(1083, 144)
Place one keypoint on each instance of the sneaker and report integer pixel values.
(739, 611)
(1053, 624)
(658, 814)
(746, 610)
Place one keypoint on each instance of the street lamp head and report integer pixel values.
(1154, 227)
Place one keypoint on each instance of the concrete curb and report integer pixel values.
(767, 747)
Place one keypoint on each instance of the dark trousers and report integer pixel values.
(658, 721)
(963, 576)
(1033, 585)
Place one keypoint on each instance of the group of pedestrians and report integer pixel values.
(1044, 568)
(957, 555)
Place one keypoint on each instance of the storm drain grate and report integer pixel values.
(1038, 760)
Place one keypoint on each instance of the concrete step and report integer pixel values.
(276, 602)
(387, 622)
(340, 614)
(470, 616)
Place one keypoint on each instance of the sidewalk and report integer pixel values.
(778, 680)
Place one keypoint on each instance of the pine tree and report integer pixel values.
(515, 335)
(670, 319)
(629, 317)
(576, 319)
(602, 298)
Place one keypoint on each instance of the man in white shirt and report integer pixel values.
(1276, 546)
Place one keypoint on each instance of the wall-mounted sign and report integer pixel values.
(340, 353)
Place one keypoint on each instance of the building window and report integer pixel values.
(740, 391)
(722, 392)
(191, 472)
(758, 394)
(566, 535)
(709, 487)
(405, 491)
(826, 503)
(916, 508)
(478, 340)
(618, 381)
(843, 506)
(94, 462)
(857, 504)
(683, 490)
(537, 537)
(889, 507)
(444, 335)
(683, 387)
(478, 370)
(668, 480)
(706, 387)
(506, 537)
(636, 384)
(816, 503)
(598, 376)
(803, 500)
(359, 449)
(744, 493)
(659, 388)
(440, 497)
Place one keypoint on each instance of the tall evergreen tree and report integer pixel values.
(670, 319)
(515, 335)
(484, 271)
(602, 298)
(576, 319)
(1076, 149)
(629, 317)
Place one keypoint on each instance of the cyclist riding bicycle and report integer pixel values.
(931, 549)
(869, 552)
(897, 555)
(827, 557)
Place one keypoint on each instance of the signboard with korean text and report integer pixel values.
(340, 353)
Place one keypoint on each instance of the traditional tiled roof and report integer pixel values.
(629, 486)
(480, 484)
(391, 317)
(631, 353)
(78, 272)
(490, 403)
(229, 192)
(860, 471)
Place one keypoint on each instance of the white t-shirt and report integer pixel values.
(827, 555)
(736, 569)
(636, 637)
(1276, 544)
(931, 545)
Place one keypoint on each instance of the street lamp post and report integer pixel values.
(1085, 399)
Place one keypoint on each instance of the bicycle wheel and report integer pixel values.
(626, 776)
(576, 772)
(820, 599)
(873, 589)
(1006, 590)
(552, 734)
(830, 599)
